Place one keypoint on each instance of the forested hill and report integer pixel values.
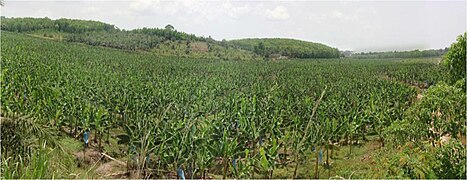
(97, 33)
(286, 47)
(166, 41)
(64, 25)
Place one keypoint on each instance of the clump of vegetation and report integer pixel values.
(427, 162)
(64, 25)
(438, 113)
(412, 162)
(26, 145)
(455, 59)
(432, 133)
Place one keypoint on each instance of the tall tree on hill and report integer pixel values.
(169, 27)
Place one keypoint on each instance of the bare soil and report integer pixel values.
(88, 156)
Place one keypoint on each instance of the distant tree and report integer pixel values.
(210, 39)
(259, 49)
(169, 27)
(456, 57)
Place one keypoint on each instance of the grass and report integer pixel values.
(63, 162)
(364, 162)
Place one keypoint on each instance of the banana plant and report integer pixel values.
(99, 124)
(311, 133)
(243, 167)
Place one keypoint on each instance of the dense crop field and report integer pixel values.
(227, 118)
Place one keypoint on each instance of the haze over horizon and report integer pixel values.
(347, 25)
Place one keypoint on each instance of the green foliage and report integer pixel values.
(126, 40)
(286, 47)
(25, 146)
(401, 54)
(207, 51)
(138, 39)
(33, 166)
(26, 24)
(420, 162)
(417, 72)
(453, 160)
(455, 59)
(414, 163)
(441, 111)
(64, 25)
(169, 27)
(169, 34)
(21, 135)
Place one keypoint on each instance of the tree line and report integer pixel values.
(289, 48)
(402, 54)
(63, 25)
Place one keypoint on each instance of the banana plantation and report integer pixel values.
(169, 117)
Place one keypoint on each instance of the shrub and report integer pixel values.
(455, 58)
(441, 111)
(447, 161)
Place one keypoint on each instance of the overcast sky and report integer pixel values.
(347, 25)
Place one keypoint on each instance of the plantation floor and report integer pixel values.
(364, 162)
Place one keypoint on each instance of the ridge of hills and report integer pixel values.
(166, 41)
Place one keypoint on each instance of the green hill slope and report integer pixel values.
(271, 47)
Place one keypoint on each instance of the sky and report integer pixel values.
(347, 25)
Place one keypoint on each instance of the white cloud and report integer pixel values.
(235, 11)
(199, 12)
(278, 13)
(345, 17)
(334, 14)
(142, 5)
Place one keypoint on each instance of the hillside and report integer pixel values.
(271, 47)
(167, 41)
